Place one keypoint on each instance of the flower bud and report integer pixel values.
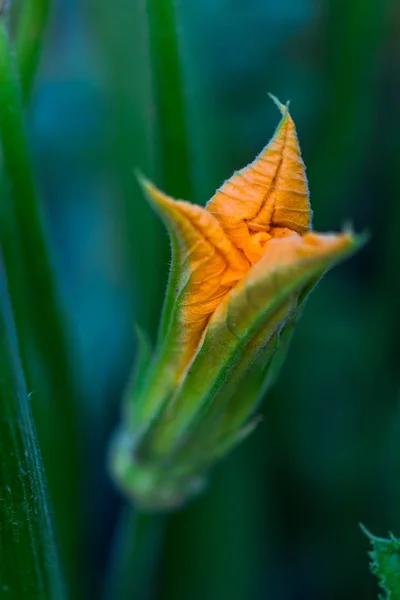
(241, 270)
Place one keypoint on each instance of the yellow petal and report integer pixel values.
(209, 265)
(271, 192)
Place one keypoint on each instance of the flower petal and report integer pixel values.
(207, 266)
(270, 192)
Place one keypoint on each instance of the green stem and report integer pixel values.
(173, 140)
(29, 566)
(136, 549)
(36, 306)
(32, 21)
(150, 129)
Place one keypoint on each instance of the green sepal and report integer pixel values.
(161, 373)
(143, 357)
(223, 425)
(153, 486)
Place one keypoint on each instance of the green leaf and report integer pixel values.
(29, 566)
(39, 318)
(385, 564)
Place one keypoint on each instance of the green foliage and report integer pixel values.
(39, 318)
(385, 564)
(29, 566)
(278, 519)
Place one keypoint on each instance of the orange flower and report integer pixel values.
(241, 270)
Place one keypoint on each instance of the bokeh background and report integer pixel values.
(280, 517)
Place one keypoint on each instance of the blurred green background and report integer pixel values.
(280, 518)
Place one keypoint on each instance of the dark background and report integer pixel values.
(280, 517)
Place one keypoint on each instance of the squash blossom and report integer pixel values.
(241, 270)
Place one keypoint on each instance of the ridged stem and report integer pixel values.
(135, 555)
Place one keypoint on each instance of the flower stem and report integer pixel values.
(135, 554)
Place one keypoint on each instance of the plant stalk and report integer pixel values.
(135, 555)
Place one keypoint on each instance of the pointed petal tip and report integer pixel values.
(152, 194)
(344, 240)
(358, 239)
(156, 197)
(143, 181)
(317, 248)
(284, 108)
(347, 241)
(337, 246)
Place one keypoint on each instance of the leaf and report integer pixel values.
(385, 564)
(39, 317)
(29, 566)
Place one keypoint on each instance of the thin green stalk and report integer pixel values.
(32, 20)
(39, 319)
(149, 131)
(135, 555)
(172, 139)
(29, 565)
